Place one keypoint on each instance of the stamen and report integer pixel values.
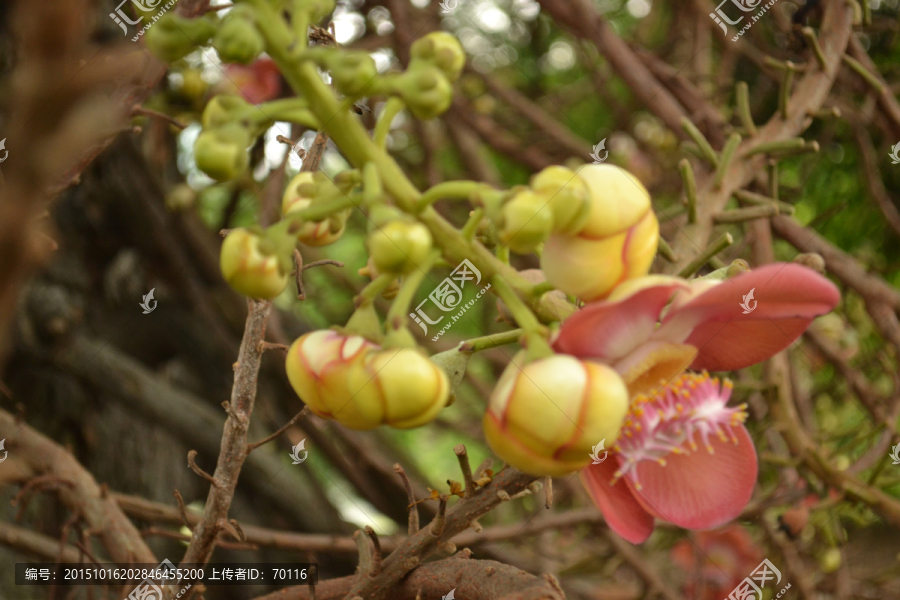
(695, 403)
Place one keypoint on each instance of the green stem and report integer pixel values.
(491, 341)
(734, 140)
(324, 208)
(742, 95)
(372, 191)
(690, 188)
(456, 190)
(397, 314)
(471, 226)
(375, 287)
(535, 334)
(707, 150)
(391, 109)
(717, 246)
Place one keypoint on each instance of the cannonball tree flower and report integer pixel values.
(361, 386)
(543, 417)
(651, 329)
(617, 243)
(300, 194)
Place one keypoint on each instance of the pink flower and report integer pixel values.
(682, 455)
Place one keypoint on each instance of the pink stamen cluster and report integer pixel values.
(668, 422)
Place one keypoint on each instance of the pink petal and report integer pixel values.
(788, 297)
(620, 510)
(699, 490)
(610, 330)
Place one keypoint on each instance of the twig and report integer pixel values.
(376, 552)
(437, 525)
(460, 451)
(196, 469)
(548, 493)
(722, 242)
(285, 427)
(708, 153)
(413, 508)
(742, 95)
(148, 112)
(182, 509)
(747, 214)
(320, 263)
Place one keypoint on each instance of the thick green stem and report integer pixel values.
(323, 209)
(491, 341)
(397, 315)
(456, 190)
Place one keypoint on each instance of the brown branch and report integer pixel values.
(30, 543)
(424, 543)
(234, 437)
(148, 112)
(413, 505)
(630, 554)
(38, 455)
(873, 178)
(472, 580)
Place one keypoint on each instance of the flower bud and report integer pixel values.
(353, 381)
(568, 197)
(545, 417)
(618, 242)
(525, 222)
(399, 246)
(238, 40)
(351, 71)
(173, 37)
(301, 193)
(247, 269)
(442, 50)
(222, 110)
(222, 153)
(426, 92)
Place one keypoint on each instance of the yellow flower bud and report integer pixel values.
(399, 246)
(247, 269)
(442, 50)
(351, 380)
(298, 195)
(525, 222)
(618, 242)
(568, 197)
(222, 110)
(222, 153)
(545, 417)
(352, 72)
(174, 37)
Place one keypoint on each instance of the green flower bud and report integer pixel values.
(222, 153)
(301, 193)
(351, 71)
(399, 246)
(247, 269)
(569, 198)
(221, 110)
(525, 222)
(440, 49)
(173, 37)
(238, 40)
(426, 92)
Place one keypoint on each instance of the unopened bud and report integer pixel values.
(222, 153)
(301, 193)
(399, 246)
(247, 269)
(545, 417)
(442, 50)
(238, 40)
(568, 198)
(618, 242)
(425, 90)
(525, 222)
(173, 37)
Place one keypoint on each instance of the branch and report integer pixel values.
(38, 455)
(472, 580)
(40, 546)
(234, 437)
